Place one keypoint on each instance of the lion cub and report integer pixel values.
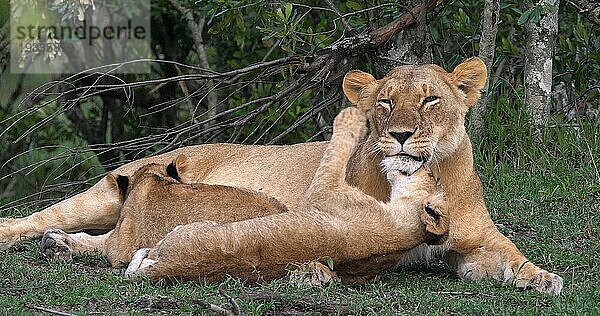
(155, 201)
(362, 235)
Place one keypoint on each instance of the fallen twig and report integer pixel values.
(47, 310)
(235, 311)
(462, 293)
(303, 304)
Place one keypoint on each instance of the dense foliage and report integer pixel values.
(56, 147)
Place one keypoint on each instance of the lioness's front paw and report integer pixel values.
(351, 120)
(542, 281)
(54, 245)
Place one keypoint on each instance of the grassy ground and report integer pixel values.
(545, 196)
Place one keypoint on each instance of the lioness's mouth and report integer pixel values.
(415, 158)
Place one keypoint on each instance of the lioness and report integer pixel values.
(154, 202)
(360, 234)
(416, 115)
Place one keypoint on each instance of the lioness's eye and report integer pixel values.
(386, 103)
(431, 100)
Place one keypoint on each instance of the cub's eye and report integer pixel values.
(386, 103)
(431, 100)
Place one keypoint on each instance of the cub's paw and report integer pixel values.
(55, 245)
(312, 274)
(435, 217)
(351, 120)
(541, 280)
(139, 264)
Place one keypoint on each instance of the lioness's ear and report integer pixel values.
(121, 183)
(470, 77)
(177, 167)
(355, 81)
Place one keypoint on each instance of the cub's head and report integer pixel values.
(417, 113)
(173, 172)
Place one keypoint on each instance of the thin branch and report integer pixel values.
(235, 308)
(47, 310)
(196, 28)
(589, 9)
(341, 17)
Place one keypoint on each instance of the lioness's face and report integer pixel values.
(417, 112)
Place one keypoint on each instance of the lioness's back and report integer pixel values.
(283, 172)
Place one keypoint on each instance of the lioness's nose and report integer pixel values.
(401, 137)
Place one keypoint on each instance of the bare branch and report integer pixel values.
(589, 9)
(196, 28)
(47, 310)
(341, 17)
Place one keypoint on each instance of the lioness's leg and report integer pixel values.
(96, 208)
(56, 244)
(485, 252)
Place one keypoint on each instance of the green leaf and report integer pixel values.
(220, 26)
(525, 16)
(329, 262)
(288, 11)
(353, 5)
(536, 15)
(287, 48)
(280, 14)
(240, 23)
(551, 8)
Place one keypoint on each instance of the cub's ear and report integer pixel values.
(178, 167)
(470, 77)
(355, 82)
(120, 183)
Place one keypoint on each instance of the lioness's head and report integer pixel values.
(417, 113)
(173, 172)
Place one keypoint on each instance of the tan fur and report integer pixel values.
(155, 203)
(336, 221)
(475, 248)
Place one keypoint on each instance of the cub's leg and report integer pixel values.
(143, 259)
(255, 249)
(96, 208)
(348, 128)
(56, 244)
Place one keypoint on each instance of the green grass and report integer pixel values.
(544, 195)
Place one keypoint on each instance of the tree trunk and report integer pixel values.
(196, 27)
(487, 45)
(411, 45)
(539, 49)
